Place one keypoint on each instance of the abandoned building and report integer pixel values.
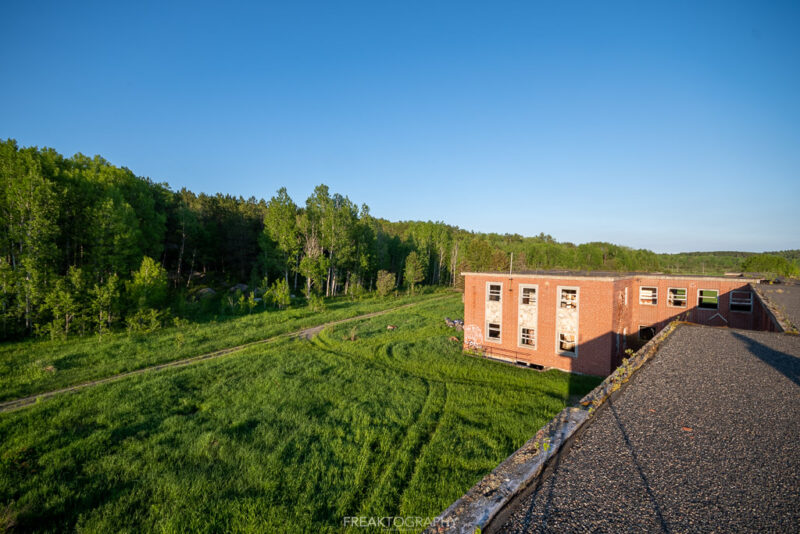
(699, 432)
(584, 322)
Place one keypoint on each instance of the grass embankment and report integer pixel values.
(394, 423)
(36, 366)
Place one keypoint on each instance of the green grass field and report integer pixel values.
(291, 436)
(34, 366)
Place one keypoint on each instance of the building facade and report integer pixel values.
(583, 323)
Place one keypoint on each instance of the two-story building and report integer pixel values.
(584, 322)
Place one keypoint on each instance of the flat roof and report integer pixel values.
(705, 437)
(784, 299)
(605, 275)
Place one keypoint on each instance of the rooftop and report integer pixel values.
(706, 436)
(612, 275)
(784, 300)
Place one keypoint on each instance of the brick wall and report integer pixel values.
(604, 316)
(595, 336)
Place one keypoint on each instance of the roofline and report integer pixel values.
(627, 276)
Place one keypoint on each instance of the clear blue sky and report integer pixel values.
(671, 127)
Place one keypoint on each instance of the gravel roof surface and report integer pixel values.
(786, 298)
(705, 437)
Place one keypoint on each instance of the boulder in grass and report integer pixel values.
(238, 287)
(206, 292)
(390, 327)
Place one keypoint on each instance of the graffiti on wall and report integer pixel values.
(473, 336)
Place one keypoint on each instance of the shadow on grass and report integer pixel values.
(579, 385)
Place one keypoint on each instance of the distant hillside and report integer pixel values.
(86, 246)
(716, 262)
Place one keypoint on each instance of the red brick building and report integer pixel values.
(583, 322)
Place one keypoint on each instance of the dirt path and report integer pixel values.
(306, 333)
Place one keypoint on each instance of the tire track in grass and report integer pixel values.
(322, 342)
(305, 333)
(386, 498)
(421, 454)
(362, 499)
(386, 357)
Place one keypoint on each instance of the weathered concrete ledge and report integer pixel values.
(474, 511)
(774, 311)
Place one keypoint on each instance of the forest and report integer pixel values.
(89, 247)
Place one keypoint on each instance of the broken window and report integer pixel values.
(646, 333)
(566, 343)
(528, 295)
(708, 299)
(528, 337)
(676, 297)
(495, 290)
(493, 331)
(742, 301)
(648, 295)
(569, 298)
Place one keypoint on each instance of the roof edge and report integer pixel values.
(609, 276)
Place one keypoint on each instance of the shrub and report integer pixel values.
(385, 282)
(148, 288)
(144, 321)
(251, 302)
(278, 294)
(356, 291)
(233, 303)
(316, 302)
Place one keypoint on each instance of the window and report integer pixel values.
(742, 301)
(676, 297)
(646, 333)
(495, 290)
(569, 298)
(493, 331)
(527, 337)
(566, 344)
(648, 295)
(708, 299)
(528, 296)
(527, 316)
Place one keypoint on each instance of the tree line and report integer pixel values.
(87, 246)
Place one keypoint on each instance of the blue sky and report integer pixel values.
(670, 127)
